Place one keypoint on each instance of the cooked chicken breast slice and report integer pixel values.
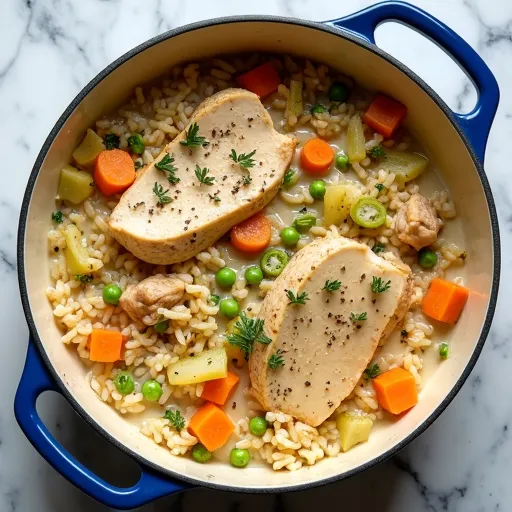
(327, 343)
(416, 222)
(143, 300)
(200, 214)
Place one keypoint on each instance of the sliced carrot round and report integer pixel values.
(114, 171)
(251, 235)
(316, 156)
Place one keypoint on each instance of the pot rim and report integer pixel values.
(339, 32)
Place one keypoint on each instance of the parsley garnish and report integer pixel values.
(276, 360)
(379, 286)
(58, 217)
(380, 187)
(138, 165)
(243, 159)
(377, 152)
(194, 140)
(167, 165)
(246, 180)
(213, 299)
(201, 175)
(163, 198)
(361, 317)
(175, 417)
(378, 247)
(247, 332)
(111, 141)
(371, 372)
(299, 299)
(84, 278)
(214, 197)
(331, 286)
(317, 109)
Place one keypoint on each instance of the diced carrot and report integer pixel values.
(105, 346)
(114, 171)
(262, 80)
(251, 235)
(219, 390)
(316, 156)
(212, 426)
(444, 300)
(396, 390)
(384, 115)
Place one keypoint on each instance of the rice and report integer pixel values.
(158, 113)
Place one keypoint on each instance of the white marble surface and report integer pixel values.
(49, 50)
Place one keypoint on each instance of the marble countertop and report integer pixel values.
(50, 50)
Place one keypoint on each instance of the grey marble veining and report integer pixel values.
(49, 50)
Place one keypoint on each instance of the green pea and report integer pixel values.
(239, 457)
(427, 258)
(111, 294)
(341, 161)
(201, 454)
(253, 275)
(317, 189)
(290, 236)
(162, 326)
(338, 92)
(444, 350)
(229, 307)
(225, 277)
(151, 390)
(124, 383)
(258, 426)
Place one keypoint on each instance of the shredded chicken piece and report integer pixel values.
(142, 301)
(416, 222)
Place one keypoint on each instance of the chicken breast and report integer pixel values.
(326, 343)
(416, 222)
(143, 300)
(199, 214)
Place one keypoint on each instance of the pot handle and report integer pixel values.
(477, 124)
(34, 381)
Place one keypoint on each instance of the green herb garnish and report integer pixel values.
(194, 140)
(297, 300)
(290, 178)
(244, 160)
(175, 417)
(214, 300)
(201, 175)
(361, 317)
(276, 360)
(167, 166)
(377, 152)
(331, 286)
(58, 217)
(136, 144)
(378, 247)
(317, 109)
(214, 197)
(246, 180)
(379, 286)
(111, 141)
(159, 192)
(247, 332)
(139, 165)
(84, 278)
(372, 371)
(380, 187)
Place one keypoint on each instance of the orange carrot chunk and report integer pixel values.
(444, 300)
(251, 235)
(262, 80)
(384, 115)
(396, 390)
(114, 171)
(219, 390)
(212, 426)
(316, 156)
(105, 346)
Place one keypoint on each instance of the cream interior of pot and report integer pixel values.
(425, 120)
